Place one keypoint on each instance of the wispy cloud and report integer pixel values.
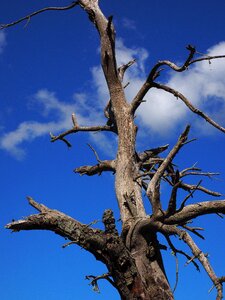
(161, 114)
(128, 24)
(51, 106)
(2, 41)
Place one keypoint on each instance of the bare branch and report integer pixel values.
(203, 260)
(152, 190)
(79, 129)
(138, 99)
(173, 197)
(122, 69)
(143, 156)
(94, 280)
(192, 211)
(207, 174)
(61, 139)
(188, 104)
(192, 168)
(188, 196)
(102, 166)
(175, 250)
(191, 187)
(40, 207)
(154, 73)
(194, 230)
(177, 272)
(74, 120)
(172, 65)
(95, 153)
(28, 17)
(63, 225)
(208, 57)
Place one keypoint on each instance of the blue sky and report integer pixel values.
(50, 69)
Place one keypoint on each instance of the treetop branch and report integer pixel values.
(188, 104)
(28, 17)
(208, 57)
(122, 69)
(172, 65)
(154, 73)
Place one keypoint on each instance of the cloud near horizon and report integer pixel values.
(161, 114)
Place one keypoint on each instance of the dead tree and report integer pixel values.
(133, 257)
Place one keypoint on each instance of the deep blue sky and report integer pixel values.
(56, 53)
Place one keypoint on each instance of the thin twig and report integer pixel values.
(188, 196)
(177, 272)
(175, 250)
(95, 153)
(28, 17)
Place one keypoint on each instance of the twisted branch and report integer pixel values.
(155, 72)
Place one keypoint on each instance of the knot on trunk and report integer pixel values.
(109, 222)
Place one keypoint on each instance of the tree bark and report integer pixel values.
(133, 258)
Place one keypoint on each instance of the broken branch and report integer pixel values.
(63, 225)
(102, 166)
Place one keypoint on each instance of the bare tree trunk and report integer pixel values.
(150, 282)
(133, 258)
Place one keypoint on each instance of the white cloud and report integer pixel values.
(2, 41)
(60, 112)
(162, 113)
(135, 75)
(203, 84)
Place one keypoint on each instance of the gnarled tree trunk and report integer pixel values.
(133, 258)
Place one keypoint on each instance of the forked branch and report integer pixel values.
(94, 280)
(155, 72)
(76, 129)
(153, 187)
